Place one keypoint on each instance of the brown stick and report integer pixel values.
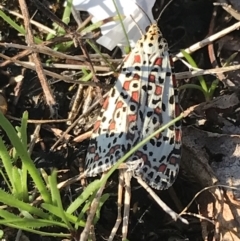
(35, 56)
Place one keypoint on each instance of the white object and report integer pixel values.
(112, 32)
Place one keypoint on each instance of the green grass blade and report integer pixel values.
(99, 24)
(7, 163)
(25, 158)
(23, 136)
(65, 19)
(20, 29)
(27, 222)
(84, 210)
(11, 201)
(87, 77)
(7, 215)
(128, 47)
(190, 86)
(19, 224)
(102, 200)
(95, 48)
(55, 211)
(57, 198)
(17, 183)
(23, 129)
(89, 190)
(52, 190)
(67, 12)
(213, 87)
(202, 81)
(32, 223)
(12, 23)
(5, 178)
(230, 59)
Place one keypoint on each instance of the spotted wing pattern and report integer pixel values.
(143, 99)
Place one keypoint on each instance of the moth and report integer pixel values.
(143, 99)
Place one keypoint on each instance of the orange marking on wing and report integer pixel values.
(157, 110)
(173, 160)
(158, 136)
(158, 90)
(92, 149)
(174, 81)
(177, 110)
(142, 155)
(126, 85)
(112, 126)
(151, 78)
(145, 158)
(178, 135)
(112, 150)
(162, 168)
(96, 125)
(105, 103)
(136, 76)
(117, 147)
(126, 58)
(96, 158)
(137, 58)
(119, 105)
(135, 96)
(158, 62)
(132, 118)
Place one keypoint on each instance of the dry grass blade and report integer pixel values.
(208, 40)
(119, 205)
(38, 65)
(163, 205)
(85, 233)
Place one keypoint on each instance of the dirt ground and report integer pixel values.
(210, 154)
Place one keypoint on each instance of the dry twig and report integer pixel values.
(36, 59)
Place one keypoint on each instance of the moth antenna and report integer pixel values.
(160, 14)
(144, 13)
(140, 30)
